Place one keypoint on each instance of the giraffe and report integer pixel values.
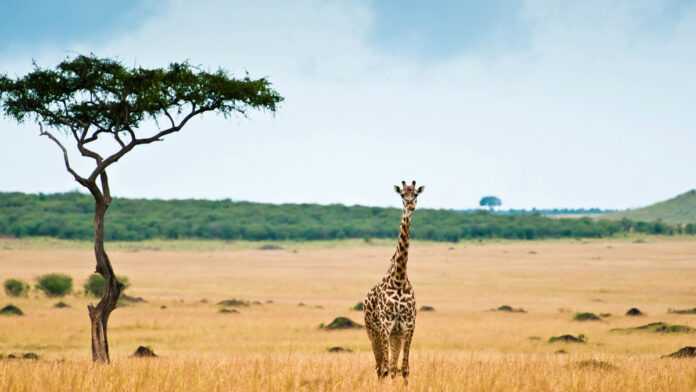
(390, 306)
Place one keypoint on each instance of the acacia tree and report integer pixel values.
(87, 98)
(491, 202)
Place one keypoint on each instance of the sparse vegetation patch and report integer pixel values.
(339, 349)
(594, 364)
(234, 302)
(341, 323)
(586, 316)
(684, 352)
(568, 339)
(658, 327)
(682, 311)
(16, 288)
(508, 309)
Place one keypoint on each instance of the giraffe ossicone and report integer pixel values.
(390, 306)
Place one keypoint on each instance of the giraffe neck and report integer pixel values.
(397, 272)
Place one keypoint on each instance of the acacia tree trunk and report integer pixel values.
(99, 314)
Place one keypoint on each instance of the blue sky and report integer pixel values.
(544, 103)
(28, 23)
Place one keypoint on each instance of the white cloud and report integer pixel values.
(597, 111)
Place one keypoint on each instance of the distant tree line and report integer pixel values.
(68, 216)
(557, 211)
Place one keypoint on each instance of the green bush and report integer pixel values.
(55, 285)
(16, 288)
(95, 284)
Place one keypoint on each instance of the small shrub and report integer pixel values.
(586, 316)
(508, 308)
(341, 323)
(95, 284)
(11, 310)
(55, 285)
(16, 288)
(359, 307)
(568, 339)
(144, 352)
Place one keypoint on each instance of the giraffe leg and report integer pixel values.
(373, 334)
(384, 333)
(405, 370)
(395, 343)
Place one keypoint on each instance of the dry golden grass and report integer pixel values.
(278, 346)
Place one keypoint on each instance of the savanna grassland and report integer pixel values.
(278, 346)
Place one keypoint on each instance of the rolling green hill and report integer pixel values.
(678, 210)
(69, 216)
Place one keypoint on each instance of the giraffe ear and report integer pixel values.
(397, 189)
(420, 189)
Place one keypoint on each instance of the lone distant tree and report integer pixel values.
(88, 99)
(491, 202)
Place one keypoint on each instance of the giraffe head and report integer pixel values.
(409, 194)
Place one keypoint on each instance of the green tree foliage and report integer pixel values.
(88, 91)
(67, 215)
(95, 284)
(16, 288)
(490, 201)
(55, 285)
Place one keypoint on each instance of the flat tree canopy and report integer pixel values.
(90, 97)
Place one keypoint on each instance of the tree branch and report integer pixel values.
(158, 137)
(101, 167)
(118, 139)
(169, 116)
(95, 135)
(81, 146)
(83, 181)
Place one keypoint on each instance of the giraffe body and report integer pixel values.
(390, 306)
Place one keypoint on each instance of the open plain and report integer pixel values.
(277, 345)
